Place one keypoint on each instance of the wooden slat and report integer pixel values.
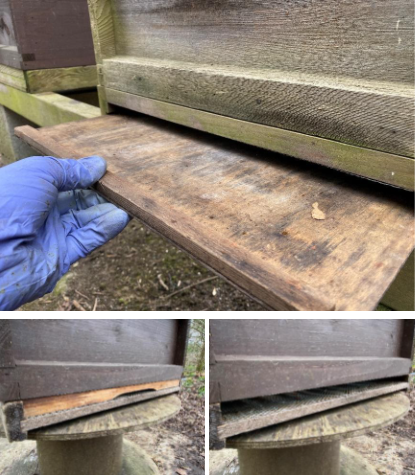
(374, 115)
(40, 406)
(380, 166)
(246, 213)
(45, 108)
(362, 39)
(61, 79)
(253, 414)
(250, 376)
(120, 421)
(314, 338)
(36, 380)
(332, 425)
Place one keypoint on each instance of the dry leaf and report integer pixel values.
(181, 471)
(316, 213)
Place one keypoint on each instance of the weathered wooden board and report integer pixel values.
(274, 356)
(247, 415)
(45, 109)
(20, 417)
(380, 166)
(48, 33)
(65, 356)
(340, 71)
(333, 425)
(376, 116)
(247, 213)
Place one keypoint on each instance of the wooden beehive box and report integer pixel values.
(326, 81)
(255, 358)
(288, 232)
(46, 45)
(57, 369)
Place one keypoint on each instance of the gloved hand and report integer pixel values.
(47, 223)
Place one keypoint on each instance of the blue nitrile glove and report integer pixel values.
(46, 225)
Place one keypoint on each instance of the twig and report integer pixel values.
(188, 287)
(95, 304)
(162, 282)
(78, 306)
(83, 295)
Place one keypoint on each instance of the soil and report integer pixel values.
(178, 446)
(140, 271)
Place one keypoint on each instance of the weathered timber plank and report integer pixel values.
(380, 166)
(45, 109)
(333, 425)
(357, 39)
(53, 34)
(12, 148)
(247, 415)
(6, 342)
(12, 77)
(401, 294)
(40, 406)
(248, 377)
(102, 26)
(309, 337)
(96, 341)
(372, 114)
(61, 79)
(65, 378)
(118, 421)
(9, 387)
(246, 213)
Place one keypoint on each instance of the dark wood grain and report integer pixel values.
(310, 337)
(247, 213)
(54, 378)
(183, 330)
(256, 357)
(48, 33)
(122, 341)
(65, 356)
(6, 351)
(249, 377)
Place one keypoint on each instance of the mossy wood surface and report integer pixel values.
(45, 109)
(11, 147)
(49, 80)
(248, 213)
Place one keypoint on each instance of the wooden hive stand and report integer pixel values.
(94, 444)
(312, 444)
